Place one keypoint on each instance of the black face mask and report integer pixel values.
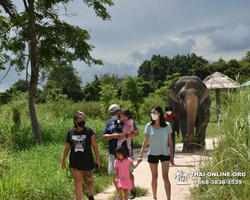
(81, 124)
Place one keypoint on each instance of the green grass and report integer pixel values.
(31, 171)
(36, 174)
(231, 154)
(140, 191)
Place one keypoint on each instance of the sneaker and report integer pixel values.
(132, 194)
(90, 198)
(117, 198)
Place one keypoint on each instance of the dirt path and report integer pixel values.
(186, 162)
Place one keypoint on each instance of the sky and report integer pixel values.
(142, 28)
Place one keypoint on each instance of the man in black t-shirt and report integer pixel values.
(112, 133)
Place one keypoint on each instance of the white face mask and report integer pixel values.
(154, 116)
(169, 112)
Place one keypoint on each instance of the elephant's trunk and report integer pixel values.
(191, 108)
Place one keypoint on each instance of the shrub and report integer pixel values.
(149, 102)
(90, 109)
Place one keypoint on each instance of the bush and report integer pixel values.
(90, 109)
(149, 102)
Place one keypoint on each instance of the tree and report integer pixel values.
(155, 69)
(5, 97)
(92, 90)
(146, 86)
(163, 92)
(246, 57)
(21, 85)
(48, 38)
(158, 67)
(14, 92)
(233, 67)
(51, 92)
(107, 93)
(184, 63)
(109, 79)
(200, 69)
(132, 92)
(65, 78)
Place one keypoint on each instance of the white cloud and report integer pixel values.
(169, 48)
(141, 28)
(87, 73)
(10, 79)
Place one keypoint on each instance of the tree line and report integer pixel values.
(155, 76)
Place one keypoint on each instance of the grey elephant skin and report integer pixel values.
(191, 103)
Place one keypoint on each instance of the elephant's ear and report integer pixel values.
(204, 95)
(173, 93)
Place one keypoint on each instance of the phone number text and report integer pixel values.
(219, 182)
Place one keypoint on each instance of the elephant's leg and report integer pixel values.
(187, 146)
(183, 127)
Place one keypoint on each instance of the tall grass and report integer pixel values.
(31, 171)
(231, 154)
(36, 174)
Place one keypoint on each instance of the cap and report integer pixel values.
(113, 108)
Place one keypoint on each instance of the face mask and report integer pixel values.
(169, 112)
(114, 117)
(154, 116)
(81, 124)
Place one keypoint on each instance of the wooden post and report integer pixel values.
(217, 95)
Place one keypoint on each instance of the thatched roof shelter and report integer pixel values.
(219, 81)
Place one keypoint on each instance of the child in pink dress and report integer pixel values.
(128, 128)
(122, 175)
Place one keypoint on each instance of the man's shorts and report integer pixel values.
(111, 169)
(155, 159)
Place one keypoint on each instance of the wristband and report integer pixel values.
(126, 136)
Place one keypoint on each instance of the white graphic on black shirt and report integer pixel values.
(79, 142)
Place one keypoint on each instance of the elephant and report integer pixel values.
(191, 102)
